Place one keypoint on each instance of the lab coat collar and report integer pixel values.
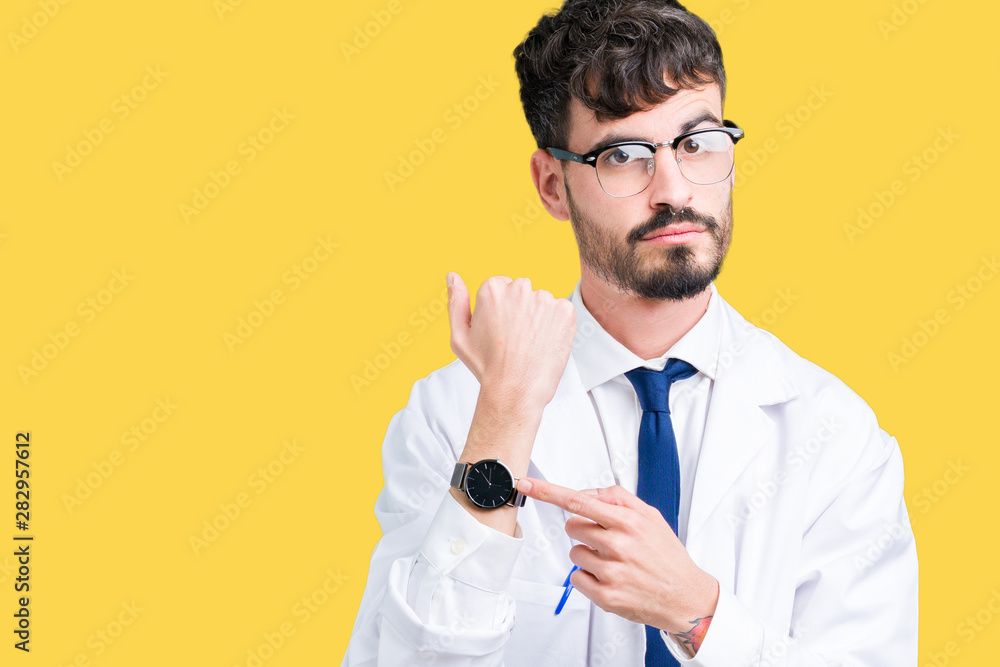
(570, 449)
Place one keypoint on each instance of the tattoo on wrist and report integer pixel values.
(692, 638)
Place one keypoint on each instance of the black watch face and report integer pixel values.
(489, 484)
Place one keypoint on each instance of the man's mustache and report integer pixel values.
(667, 217)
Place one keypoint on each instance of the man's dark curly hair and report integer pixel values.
(612, 55)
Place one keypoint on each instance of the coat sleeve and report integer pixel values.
(856, 597)
(437, 583)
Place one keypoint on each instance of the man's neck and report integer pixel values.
(647, 327)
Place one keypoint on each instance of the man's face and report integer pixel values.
(621, 240)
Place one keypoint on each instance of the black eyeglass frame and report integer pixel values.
(734, 131)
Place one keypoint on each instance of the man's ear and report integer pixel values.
(547, 174)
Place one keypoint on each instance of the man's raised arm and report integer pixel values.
(438, 577)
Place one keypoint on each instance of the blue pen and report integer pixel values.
(569, 588)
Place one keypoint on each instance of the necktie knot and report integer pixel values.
(653, 387)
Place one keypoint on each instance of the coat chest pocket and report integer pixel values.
(539, 636)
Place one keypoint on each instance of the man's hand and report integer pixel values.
(517, 345)
(518, 341)
(631, 562)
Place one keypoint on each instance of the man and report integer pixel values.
(741, 507)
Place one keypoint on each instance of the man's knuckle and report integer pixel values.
(495, 282)
(612, 599)
(614, 543)
(603, 597)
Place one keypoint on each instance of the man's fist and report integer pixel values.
(518, 341)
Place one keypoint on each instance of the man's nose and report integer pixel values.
(668, 185)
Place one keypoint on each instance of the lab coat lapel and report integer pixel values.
(569, 449)
(750, 374)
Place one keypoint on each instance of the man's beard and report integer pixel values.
(673, 273)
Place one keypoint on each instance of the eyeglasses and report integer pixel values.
(625, 168)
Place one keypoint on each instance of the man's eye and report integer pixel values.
(690, 145)
(624, 155)
(618, 156)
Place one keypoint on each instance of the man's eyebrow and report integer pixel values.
(687, 126)
(703, 117)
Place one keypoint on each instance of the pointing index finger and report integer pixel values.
(575, 502)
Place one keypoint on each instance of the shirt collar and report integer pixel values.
(599, 357)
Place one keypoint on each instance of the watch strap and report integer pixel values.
(458, 476)
(517, 500)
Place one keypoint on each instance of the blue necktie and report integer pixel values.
(659, 468)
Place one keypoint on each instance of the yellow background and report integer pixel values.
(469, 207)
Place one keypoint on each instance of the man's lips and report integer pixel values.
(674, 230)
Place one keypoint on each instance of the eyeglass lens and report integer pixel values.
(703, 158)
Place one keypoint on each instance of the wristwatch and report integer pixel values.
(488, 483)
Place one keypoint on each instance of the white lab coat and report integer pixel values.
(797, 510)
